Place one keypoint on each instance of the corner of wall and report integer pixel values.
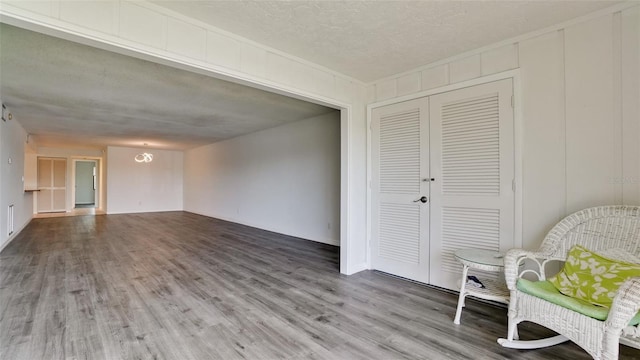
(13, 145)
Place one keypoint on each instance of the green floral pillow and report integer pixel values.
(591, 277)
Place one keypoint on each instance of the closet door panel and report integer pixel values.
(45, 200)
(52, 182)
(59, 173)
(44, 173)
(400, 163)
(472, 158)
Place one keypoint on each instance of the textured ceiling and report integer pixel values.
(369, 40)
(65, 93)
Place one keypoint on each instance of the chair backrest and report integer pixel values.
(597, 228)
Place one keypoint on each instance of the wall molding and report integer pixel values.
(265, 228)
(359, 267)
(12, 15)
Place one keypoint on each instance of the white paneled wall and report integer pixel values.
(591, 134)
(408, 84)
(579, 107)
(223, 50)
(465, 69)
(96, 15)
(630, 96)
(186, 39)
(142, 25)
(500, 59)
(253, 60)
(543, 146)
(153, 29)
(434, 76)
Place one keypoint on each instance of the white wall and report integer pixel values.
(580, 118)
(284, 179)
(143, 187)
(12, 146)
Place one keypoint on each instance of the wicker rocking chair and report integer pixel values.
(598, 229)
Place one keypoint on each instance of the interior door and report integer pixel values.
(85, 193)
(472, 161)
(400, 189)
(52, 185)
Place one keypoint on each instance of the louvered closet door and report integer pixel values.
(400, 161)
(52, 180)
(472, 159)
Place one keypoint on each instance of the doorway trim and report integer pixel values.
(352, 169)
(517, 134)
(99, 198)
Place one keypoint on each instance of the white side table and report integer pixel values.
(482, 260)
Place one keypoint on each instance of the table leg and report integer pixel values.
(463, 285)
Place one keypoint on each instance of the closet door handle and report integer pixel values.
(423, 200)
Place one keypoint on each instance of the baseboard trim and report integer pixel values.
(15, 235)
(121, 212)
(275, 230)
(356, 268)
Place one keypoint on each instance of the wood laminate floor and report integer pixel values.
(182, 286)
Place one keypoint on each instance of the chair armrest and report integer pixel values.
(512, 261)
(625, 305)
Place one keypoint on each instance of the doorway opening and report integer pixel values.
(86, 184)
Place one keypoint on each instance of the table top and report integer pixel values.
(472, 257)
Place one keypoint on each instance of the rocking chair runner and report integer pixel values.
(598, 229)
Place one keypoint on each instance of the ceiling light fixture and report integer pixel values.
(144, 157)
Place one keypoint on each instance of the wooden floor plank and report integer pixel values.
(177, 285)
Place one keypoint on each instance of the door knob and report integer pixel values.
(423, 199)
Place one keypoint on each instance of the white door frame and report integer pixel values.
(517, 118)
(98, 192)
